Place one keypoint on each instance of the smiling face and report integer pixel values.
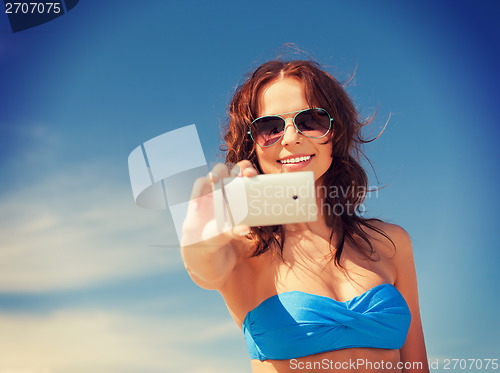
(294, 152)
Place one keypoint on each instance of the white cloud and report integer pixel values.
(72, 341)
(79, 227)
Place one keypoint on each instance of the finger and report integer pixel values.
(219, 172)
(201, 187)
(217, 175)
(250, 172)
(244, 168)
(200, 202)
(235, 171)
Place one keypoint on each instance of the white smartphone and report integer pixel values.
(270, 199)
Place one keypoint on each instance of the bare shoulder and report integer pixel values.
(394, 231)
(402, 257)
(401, 240)
(398, 235)
(389, 239)
(406, 282)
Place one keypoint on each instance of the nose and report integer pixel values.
(291, 134)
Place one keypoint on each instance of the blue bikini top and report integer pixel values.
(296, 324)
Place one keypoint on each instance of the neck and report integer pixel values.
(324, 225)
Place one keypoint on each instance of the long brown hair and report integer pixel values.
(345, 172)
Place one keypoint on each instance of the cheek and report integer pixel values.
(328, 162)
(326, 156)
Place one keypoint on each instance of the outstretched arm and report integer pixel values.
(209, 253)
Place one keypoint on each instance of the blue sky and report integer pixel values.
(91, 282)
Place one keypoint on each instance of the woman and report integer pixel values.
(336, 294)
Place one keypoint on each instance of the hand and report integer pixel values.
(200, 227)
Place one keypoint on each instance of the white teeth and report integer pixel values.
(296, 160)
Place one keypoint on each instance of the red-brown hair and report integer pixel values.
(345, 172)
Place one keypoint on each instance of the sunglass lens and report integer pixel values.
(313, 122)
(268, 130)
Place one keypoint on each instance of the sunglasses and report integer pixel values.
(268, 130)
